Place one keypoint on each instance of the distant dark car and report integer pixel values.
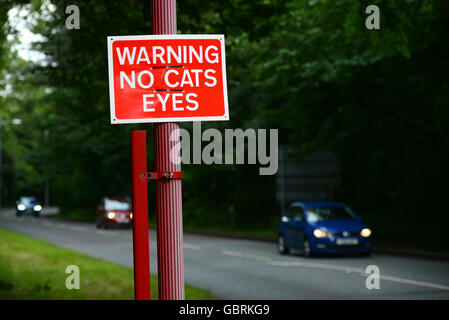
(114, 212)
(28, 206)
(323, 227)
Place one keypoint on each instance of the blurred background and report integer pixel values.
(362, 114)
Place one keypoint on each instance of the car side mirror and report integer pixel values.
(100, 208)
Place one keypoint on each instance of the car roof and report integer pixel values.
(319, 204)
(28, 198)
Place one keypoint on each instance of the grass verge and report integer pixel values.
(34, 269)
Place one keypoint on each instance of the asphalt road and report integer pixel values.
(246, 269)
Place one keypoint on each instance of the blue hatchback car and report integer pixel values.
(323, 227)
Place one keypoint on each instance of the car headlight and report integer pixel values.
(37, 207)
(111, 215)
(131, 215)
(319, 233)
(21, 207)
(365, 232)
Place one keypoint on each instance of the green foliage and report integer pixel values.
(373, 97)
(377, 98)
(78, 214)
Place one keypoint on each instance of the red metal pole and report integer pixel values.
(168, 193)
(140, 215)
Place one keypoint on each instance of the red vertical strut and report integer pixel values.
(168, 193)
(140, 215)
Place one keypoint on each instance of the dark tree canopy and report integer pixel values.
(377, 98)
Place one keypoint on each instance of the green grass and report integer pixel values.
(34, 269)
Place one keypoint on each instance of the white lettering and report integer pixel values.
(194, 102)
(171, 53)
(131, 82)
(159, 55)
(143, 51)
(186, 81)
(163, 101)
(139, 79)
(175, 102)
(126, 54)
(199, 56)
(214, 80)
(168, 83)
(146, 102)
(214, 55)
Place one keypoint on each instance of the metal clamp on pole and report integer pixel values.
(165, 175)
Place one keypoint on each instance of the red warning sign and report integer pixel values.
(167, 78)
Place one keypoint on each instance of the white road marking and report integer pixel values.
(107, 233)
(191, 246)
(76, 228)
(49, 224)
(356, 270)
(62, 225)
(244, 255)
(415, 283)
(315, 266)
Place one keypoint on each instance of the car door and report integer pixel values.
(294, 228)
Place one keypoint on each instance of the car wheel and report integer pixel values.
(306, 248)
(281, 245)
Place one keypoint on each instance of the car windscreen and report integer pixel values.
(116, 205)
(329, 213)
(28, 200)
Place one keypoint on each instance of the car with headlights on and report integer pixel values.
(113, 212)
(323, 228)
(28, 206)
